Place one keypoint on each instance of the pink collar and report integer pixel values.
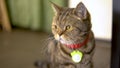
(76, 46)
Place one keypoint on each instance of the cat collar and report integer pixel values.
(76, 46)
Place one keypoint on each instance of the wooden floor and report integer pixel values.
(21, 48)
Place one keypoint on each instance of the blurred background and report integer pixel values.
(26, 24)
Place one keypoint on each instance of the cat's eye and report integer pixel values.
(67, 27)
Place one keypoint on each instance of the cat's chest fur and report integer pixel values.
(60, 54)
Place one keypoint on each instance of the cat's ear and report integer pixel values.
(81, 11)
(56, 8)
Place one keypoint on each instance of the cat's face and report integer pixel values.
(71, 25)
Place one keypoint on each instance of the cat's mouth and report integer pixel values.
(64, 41)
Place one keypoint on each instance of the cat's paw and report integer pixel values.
(41, 64)
(38, 63)
(86, 61)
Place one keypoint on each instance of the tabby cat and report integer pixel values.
(73, 44)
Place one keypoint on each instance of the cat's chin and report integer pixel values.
(62, 42)
(66, 42)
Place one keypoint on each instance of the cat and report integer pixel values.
(73, 44)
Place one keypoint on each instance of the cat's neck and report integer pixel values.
(79, 45)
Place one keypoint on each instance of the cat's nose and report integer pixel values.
(58, 37)
(60, 33)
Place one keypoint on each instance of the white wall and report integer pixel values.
(101, 14)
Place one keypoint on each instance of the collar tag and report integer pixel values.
(76, 56)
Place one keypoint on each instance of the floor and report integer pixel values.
(21, 48)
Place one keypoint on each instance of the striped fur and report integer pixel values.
(70, 26)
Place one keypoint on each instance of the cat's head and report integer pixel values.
(71, 25)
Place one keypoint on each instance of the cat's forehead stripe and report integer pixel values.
(63, 15)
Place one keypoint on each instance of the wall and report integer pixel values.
(101, 13)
